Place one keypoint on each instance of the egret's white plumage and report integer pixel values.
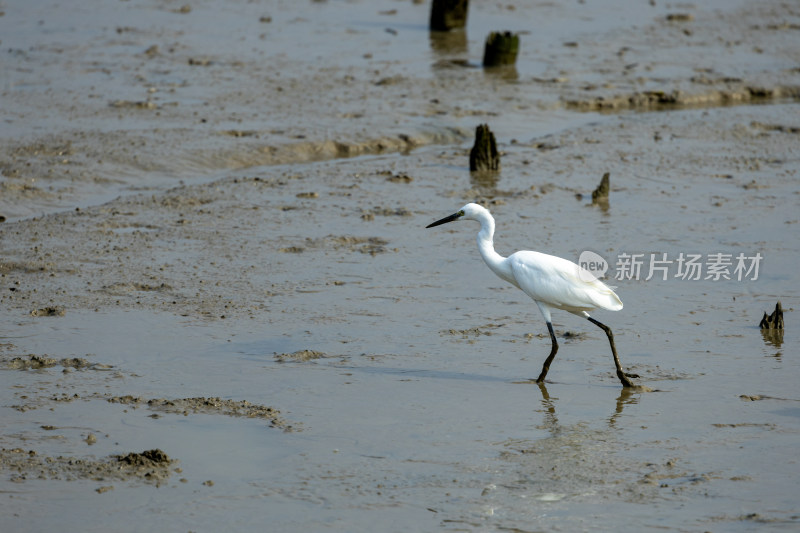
(552, 282)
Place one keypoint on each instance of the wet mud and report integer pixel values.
(151, 466)
(186, 406)
(203, 214)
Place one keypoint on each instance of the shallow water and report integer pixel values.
(224, 255)
(441, 438)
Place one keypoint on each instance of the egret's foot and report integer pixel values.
(632, 375)
(624, 379)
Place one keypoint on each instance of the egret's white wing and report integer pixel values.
(561, 283)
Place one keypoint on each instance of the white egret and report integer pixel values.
(552, 282)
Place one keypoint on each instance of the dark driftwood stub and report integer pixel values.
(448, 15)
(773, 321)
(484, 155)
(600, 194)
(501, 49)
(772, 326)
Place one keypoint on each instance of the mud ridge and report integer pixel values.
(151, 466)
(37, 362)
(654, 100)
(186, 406)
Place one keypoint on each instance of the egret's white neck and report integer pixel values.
(495, 261)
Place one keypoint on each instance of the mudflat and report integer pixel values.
(219, 306)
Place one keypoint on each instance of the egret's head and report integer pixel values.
(468, 212)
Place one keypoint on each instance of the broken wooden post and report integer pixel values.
(448, 15)
(483, 155)
(500, 49)
(774, 321)
(772, 326)
(600, 194)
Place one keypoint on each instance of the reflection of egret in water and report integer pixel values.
(551, 421)
(572, 461)
(626, 397)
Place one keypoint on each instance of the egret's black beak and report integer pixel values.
(445, 220)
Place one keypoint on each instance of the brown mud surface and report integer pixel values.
(185, 406)
(152, 466)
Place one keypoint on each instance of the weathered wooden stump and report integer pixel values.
(448, 15)
(600, 194)
(500, 49)
(774, 321)
(772, 327)
(484, 156)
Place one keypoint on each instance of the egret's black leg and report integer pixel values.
(550, 357)
(620, 374)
